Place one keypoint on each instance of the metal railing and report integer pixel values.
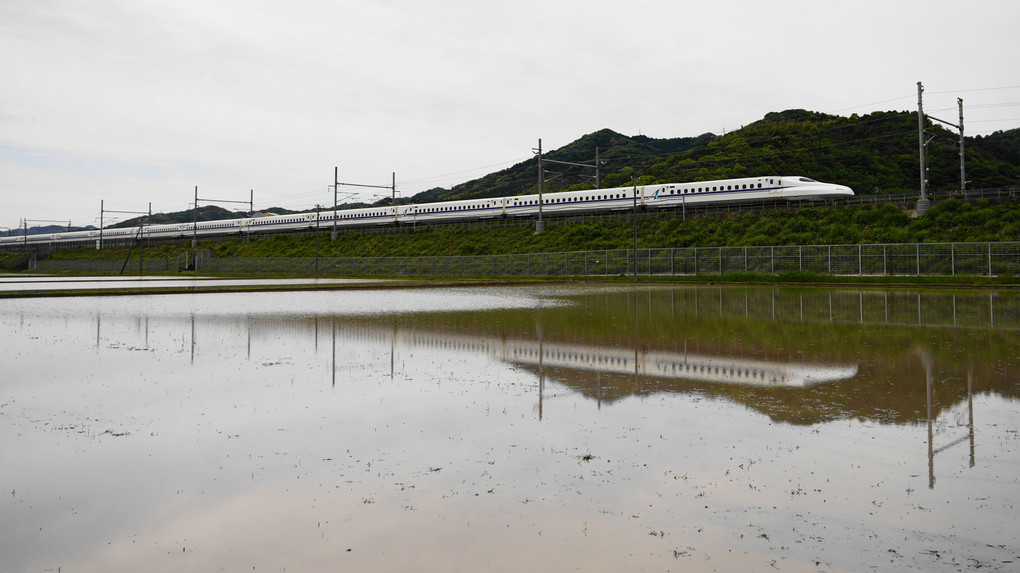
(912, 259)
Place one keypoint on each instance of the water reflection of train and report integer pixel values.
(617, 360)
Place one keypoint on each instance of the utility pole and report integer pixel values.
(963, 168)
(540, 224)
(194, 227)
(194, 230)
(336, 185)
(392, 186)
(959, 127)
(634, 181)
(318, 209)
(923, 203)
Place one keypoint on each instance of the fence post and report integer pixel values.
(773, 257)
(860, 261)
(917, 254)
(952, 258)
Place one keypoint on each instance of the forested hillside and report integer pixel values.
(874, 153)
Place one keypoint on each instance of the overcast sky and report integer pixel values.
(136, 101)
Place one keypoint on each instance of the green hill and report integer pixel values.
(874, 153)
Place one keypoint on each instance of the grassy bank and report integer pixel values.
(947, 221)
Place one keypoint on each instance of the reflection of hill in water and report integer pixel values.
(878, 334)
(794, 392)
(796, 355)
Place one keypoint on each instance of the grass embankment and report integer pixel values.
(12, 261)
(947, 221)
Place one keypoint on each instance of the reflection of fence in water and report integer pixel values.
(892, 308)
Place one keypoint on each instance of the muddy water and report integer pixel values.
(546, 428)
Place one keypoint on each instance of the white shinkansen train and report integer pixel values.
(791, 188)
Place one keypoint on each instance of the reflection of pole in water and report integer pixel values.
(991, 310)
(932, 451)
(541, 373)
(970, 410)
(332, 322)
(192, 339)
(926, 360)
(636, 388)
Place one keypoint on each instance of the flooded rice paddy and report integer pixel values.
(508, 429)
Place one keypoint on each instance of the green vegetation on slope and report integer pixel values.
(874, 153)
(12, 261)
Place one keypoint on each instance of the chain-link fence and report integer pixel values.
(915, 259)
(131, 266)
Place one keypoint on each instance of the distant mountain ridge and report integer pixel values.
(46, 229)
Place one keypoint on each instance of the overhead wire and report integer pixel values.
(420, 183)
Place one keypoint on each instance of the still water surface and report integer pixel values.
(508, 429)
